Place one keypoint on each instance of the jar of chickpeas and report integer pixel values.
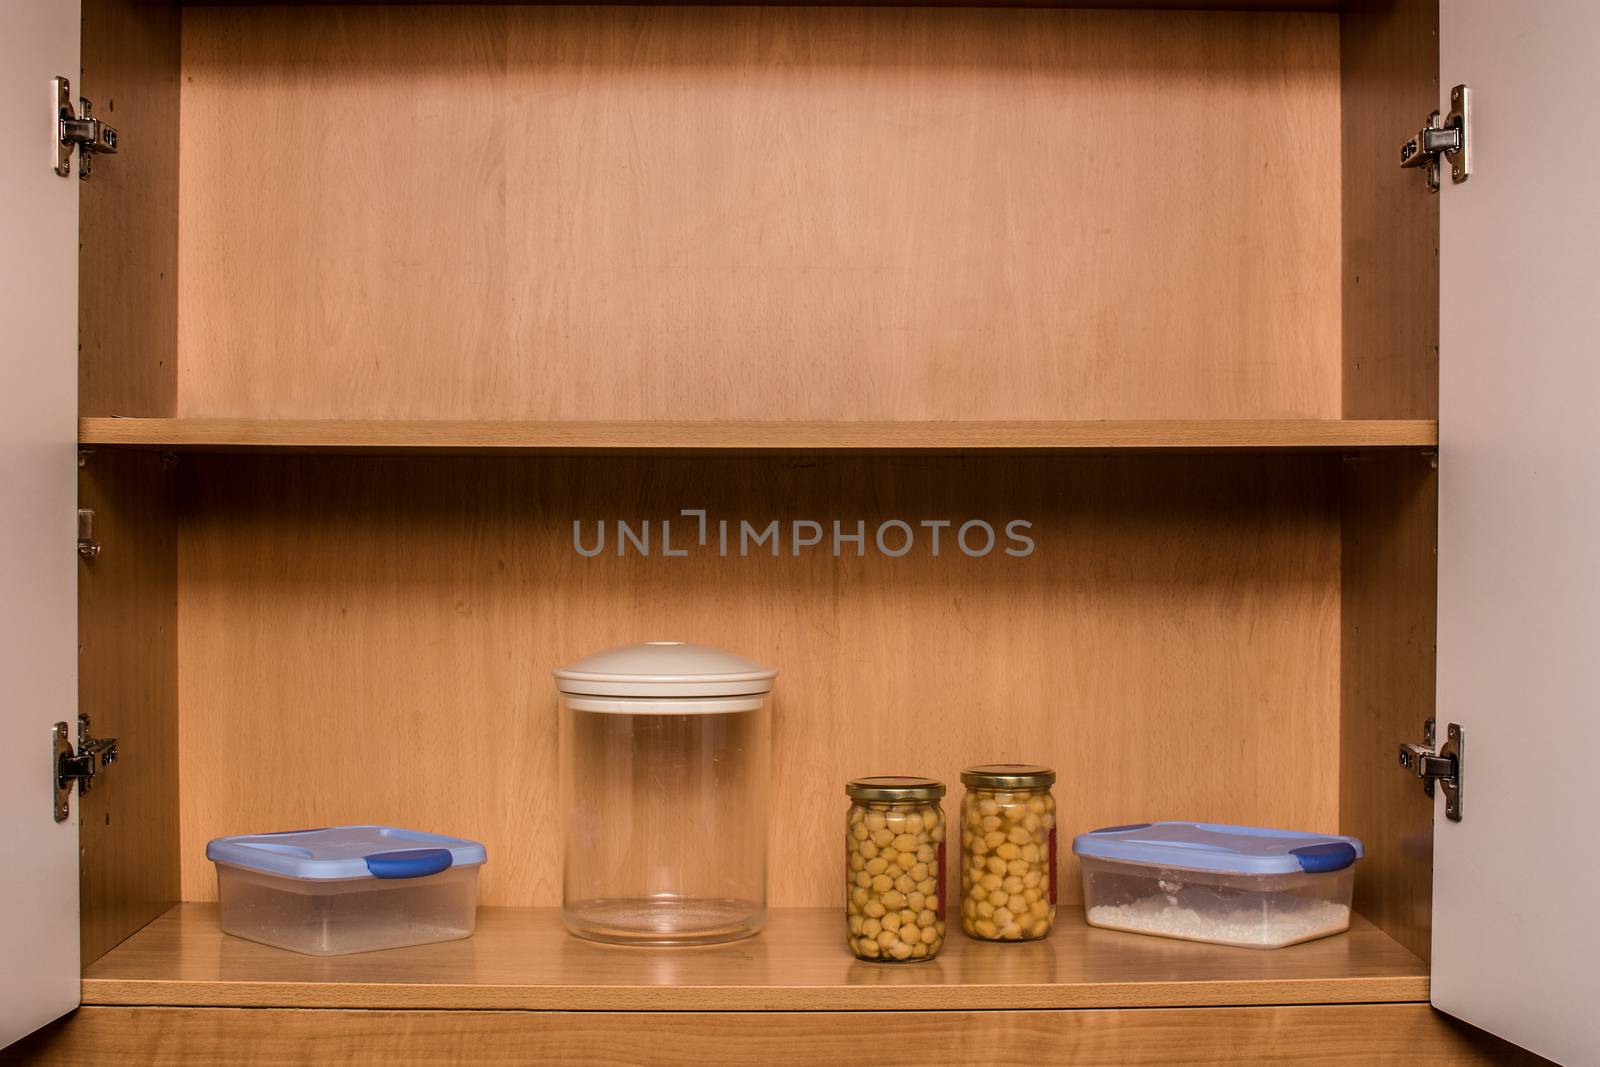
(1008, 852)
(894, 869)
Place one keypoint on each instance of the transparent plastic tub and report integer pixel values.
(666, 770)
(388, 897)
(1298, 890)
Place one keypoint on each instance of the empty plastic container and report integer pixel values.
(1228, 885)
(665, 770)
(347, 888)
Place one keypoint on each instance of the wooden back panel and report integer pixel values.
(768, 213)
(371, 639)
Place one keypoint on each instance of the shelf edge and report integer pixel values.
(353, 435)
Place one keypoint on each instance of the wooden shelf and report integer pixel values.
(420, 435)
(522, 958)
(1159, 5)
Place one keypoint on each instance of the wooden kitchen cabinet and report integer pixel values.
(374, 303)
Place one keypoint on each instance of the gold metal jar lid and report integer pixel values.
(894, 787)
(1008, 776)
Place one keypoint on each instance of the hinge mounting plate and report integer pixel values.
(1450, 139)
(67, 766)
(1442, 765)
(88, 547)
(78, 129)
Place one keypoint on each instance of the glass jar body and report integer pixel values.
(665, 803)
(1008, 863)
(894, 879)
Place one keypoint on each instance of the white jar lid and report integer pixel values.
(664, 669)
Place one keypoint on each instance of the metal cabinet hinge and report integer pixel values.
(68, 766)
(78, 130)
(1442, 765)
(88, 547)
(1451, 139)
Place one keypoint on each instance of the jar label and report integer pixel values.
(1051, 870)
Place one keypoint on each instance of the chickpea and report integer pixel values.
(1007, 868)
(892, 876)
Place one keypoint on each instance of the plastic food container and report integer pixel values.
(894, 869)
(1008, 852)
(665, 769)
(1228, 885)
(347, 888)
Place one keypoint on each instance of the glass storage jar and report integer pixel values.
(1008, 852)
(665, 768)
(894, 869)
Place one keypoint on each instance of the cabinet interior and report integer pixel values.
(835, 214)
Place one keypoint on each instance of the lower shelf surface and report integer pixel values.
(523, 958)
(1322, 1035)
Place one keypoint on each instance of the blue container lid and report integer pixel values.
(344, 852)
(1200, 846)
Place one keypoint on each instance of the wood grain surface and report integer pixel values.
(370, 639)
(1389, 70)
(128, 212)
(1388, 624)
(758, 212)
(431, 435)
(1389, 76)
(1361, 1035)
(128, 686)
(1155, 5)
(523, 958)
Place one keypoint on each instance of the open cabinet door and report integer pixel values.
(1515, 940)
(39, 968)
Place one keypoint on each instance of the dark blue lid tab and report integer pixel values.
(1329, 856)
(409, 862)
